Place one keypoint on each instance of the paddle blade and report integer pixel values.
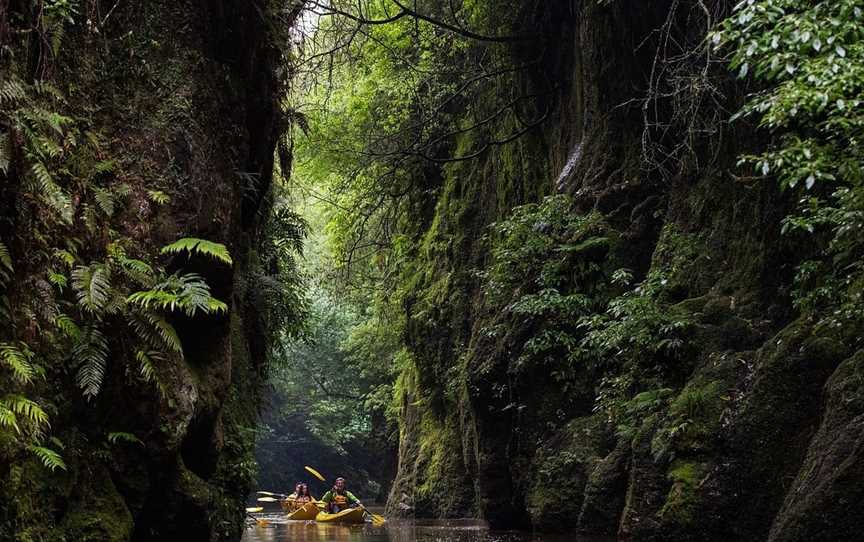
(267, 499)
(254, 509)
(315, 473)
(270, 493)
(378, 520)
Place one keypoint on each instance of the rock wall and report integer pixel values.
(746, 427)
(182, 97)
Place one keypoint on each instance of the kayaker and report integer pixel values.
(339, 498)
(294, 498)
(303, 496)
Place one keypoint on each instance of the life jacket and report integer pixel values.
(339, 499)
(303, 499)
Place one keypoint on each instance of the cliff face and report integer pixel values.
(649, 377)
(172, 125)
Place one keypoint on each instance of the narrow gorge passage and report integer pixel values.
(515, 270)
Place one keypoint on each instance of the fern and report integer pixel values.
(194, 245)
(51, 459)
(104, 199)
(119, 436)
(29, 410)
(188, 293)
(155, 331)
(5, 152)
(8, 419)
(18, 359)
(12, 91)
(66, 257)
(158, 197)
(5, 264)
(68, 326)
(147, 369)
(93, 287)
(57, 279)
(91, 354)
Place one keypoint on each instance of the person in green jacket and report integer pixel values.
(339, 498)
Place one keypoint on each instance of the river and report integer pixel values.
(276, 528)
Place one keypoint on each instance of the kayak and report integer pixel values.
(305, 512)
(349, 515)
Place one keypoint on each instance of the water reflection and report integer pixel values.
(279, 529)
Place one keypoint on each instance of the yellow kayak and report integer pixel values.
(305, 512)
(349, 515)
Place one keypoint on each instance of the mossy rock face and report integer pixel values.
(824, 502)
(101, 515)
(563, 467)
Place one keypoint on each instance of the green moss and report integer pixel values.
(101, 515)
(682, 501)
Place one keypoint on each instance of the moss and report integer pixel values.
(681, 505)
(97, 511)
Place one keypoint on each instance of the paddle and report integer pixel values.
(259, 521)
(271, 494)
(267, 499)
(376, 519)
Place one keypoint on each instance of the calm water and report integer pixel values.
(278, 529)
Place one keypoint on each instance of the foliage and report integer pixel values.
(193, 245)
(810, 58)
(547, 264)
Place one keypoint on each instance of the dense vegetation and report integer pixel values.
(589, 280)
(605, 253)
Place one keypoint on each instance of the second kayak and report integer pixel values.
(306, 512)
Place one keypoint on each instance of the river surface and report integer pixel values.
(276, 528)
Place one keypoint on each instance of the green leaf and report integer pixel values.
(194, 245)
(51, 459)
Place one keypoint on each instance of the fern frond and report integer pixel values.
(158, 197)
(68, 326)
(5, 152)
(122, 190)
(12, 91)
(51, 459)
(57, 279)
(155, 331)
(104, 199)
(18, 358)
(148, 368)
(193, 245)
(66, 257)
(92, 287)
(119, 436)
(91, 353)
(5, 258)
(8, 419)
(188, 293)
(27, 409)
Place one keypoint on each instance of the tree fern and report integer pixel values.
(194, 245)
(91, 356)
(92, 287)
(51, 459)
(18, 358)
